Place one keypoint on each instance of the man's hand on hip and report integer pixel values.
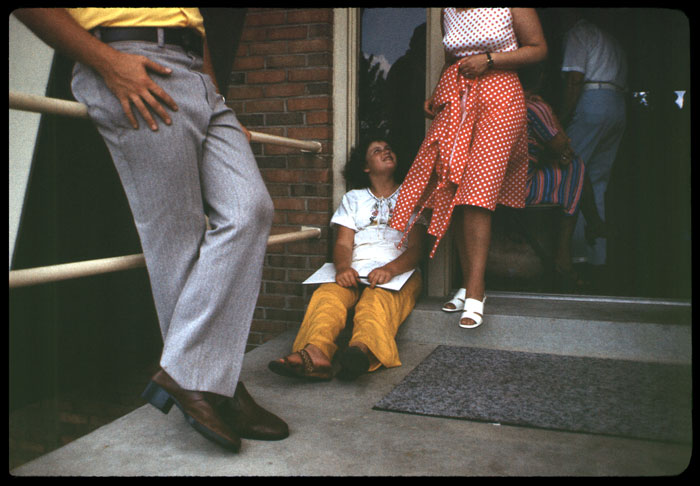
(127, 76)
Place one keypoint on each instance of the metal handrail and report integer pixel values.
(54, 106)
(67, 271)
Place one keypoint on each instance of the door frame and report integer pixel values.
(346, 52)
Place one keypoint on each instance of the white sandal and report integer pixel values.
(474, 310)
(457, 301)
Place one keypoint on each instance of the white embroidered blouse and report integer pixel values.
(369, 216)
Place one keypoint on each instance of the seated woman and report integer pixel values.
(556, 175)
(364, 237)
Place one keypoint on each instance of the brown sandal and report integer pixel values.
(306, 369)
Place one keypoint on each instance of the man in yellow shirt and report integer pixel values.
(152, 66)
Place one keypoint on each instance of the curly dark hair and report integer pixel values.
(354, 173)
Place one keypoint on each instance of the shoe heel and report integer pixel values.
(158, 397)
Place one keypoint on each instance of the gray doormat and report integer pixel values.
(590, 395)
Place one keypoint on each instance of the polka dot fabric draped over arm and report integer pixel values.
(475, 152)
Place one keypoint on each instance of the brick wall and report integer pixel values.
(281, 85)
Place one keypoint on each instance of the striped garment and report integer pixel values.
(549, 184)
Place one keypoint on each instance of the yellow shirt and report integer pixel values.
(89, 18)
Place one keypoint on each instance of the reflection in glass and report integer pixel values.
(391, 85)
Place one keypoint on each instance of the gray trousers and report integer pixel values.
(596, 132)
(205, 282)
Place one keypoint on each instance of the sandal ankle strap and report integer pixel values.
(308, 362)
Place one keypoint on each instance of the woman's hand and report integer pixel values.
(347, 277)
(379, 276)
(567, 156)
(560, 147)
(473, 66)
(429, 108)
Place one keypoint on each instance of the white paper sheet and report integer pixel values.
(326, 274)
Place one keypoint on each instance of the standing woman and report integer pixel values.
(475, 153)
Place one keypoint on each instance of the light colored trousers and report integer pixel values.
(596, 131)
(205, 282)
(378, 315)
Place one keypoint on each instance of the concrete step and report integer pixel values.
(335, 432)
(632, 329)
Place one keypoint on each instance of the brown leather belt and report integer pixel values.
(188, 39)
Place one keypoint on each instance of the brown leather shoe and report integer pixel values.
(199, 409)
(250, 420)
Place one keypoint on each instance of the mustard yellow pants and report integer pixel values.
(378, 315)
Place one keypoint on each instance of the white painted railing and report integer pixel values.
(42, 104)
(66, 271)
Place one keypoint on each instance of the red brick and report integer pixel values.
(279, 218)
(318, 204)
(244, 63)
(287, 204)
(283, 288)
(320, 30)
(244, 92)
(311, 45)
(309, 247)
(286, 262)
(311, 190)
(266, 48)
(288, 33)
(286, 61)
(312, 74)
(310, 133)
(295, 46)
(264, 326)
(310, 103)
(265, 18)
(264, 106)
(284, 315)
(252, 34)
(307, 16)
(299, 276)
(320, 59)
(317, 175)
(317, 261)
(236, 106)
(298, 302)
(293, 118)
(269, 301)
(314, 219)
(317, 117)
(307, 160)
(267, 76)
(281, 175)
(279, 190)
(284, 90)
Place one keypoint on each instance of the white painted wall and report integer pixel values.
(29, 66)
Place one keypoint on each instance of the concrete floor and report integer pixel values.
(335, 432)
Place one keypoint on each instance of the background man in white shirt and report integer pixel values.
(593, 111)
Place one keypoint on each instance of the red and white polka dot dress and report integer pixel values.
(475, 152)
